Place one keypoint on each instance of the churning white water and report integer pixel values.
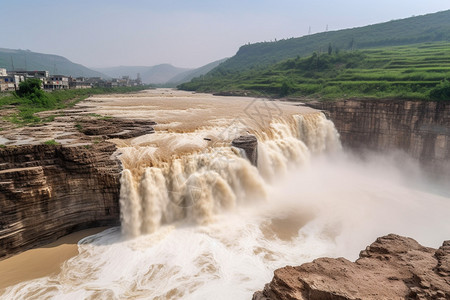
(198, 186)
(209, 225)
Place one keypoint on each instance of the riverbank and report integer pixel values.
(18, 111)
(43, 261)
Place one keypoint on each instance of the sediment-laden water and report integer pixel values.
(200, 222)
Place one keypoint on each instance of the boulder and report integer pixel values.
(249, 144)
(393, 267)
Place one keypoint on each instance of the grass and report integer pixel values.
(51, 142)
(26, 109)
(401, 72)
(78, 126)
(99, 116)
(50, 118)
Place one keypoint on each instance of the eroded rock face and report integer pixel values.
(393, 267)
(115, 127)
(49, 191)
(419, 128)
(249, 144)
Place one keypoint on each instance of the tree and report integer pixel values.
(286, 88)
(30, 89)
(330, 49)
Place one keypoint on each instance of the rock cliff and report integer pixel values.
(393, 267)
(249, 144)
(419, 128)
(47, 191)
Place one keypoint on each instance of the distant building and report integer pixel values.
(125, 81)
(10, 82)
(7, 83)
(138, 79)
(98, 82)
(31, 74)
(79, 83)
(56, 82)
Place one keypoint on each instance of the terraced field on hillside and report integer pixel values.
(399, 72)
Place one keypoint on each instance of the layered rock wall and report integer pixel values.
(48, 191)
(419, 128)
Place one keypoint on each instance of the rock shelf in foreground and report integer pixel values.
(393, 267)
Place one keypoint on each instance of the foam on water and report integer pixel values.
(199, 185)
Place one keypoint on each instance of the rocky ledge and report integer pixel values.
(114, 127)
(393, 267)
(48, 191)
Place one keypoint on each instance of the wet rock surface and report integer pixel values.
(419, 128)
(249, 144)
(393, 267)
(73, 126)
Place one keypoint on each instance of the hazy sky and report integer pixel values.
(101, 33)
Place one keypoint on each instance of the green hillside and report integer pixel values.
(33, 61)
(420, 29)
(395, 72)
(190, 74)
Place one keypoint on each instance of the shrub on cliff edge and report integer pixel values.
(51, 143)
(441, 91)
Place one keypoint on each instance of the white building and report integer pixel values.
(79, 83)
(10, 82)
(56, 82)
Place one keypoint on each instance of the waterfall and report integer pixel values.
(196, 186)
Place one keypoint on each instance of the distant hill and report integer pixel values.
(190, 74)
(33, 61)
(427, 28)
(164, 74)
(158, 74)
(118, 72)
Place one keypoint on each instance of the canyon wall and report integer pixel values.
(419, 128)
(48, 191)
